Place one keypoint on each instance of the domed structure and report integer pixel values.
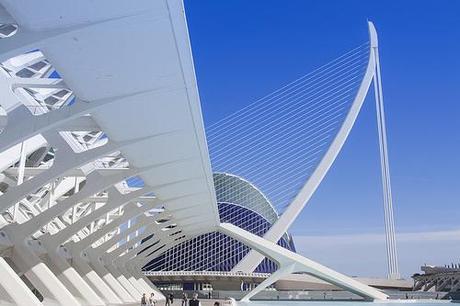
(240, 203)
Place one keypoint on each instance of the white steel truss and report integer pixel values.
(80, 165)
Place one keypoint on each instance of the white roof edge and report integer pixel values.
(178, 23)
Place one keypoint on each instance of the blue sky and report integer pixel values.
(244, 50)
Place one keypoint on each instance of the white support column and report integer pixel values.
(124, 281)
(72, 279)
(41, 277)
(140, 286)
(99, 253)
(74, 208)
(125, 276)
(137, 279)
(289, 262)
(128, 265)
(96, 282)
(95, 257)
(282, 271)
(22, 165)
(134, 264)
(14, 288)
(113, 283)
(141, 280)
(77, 250)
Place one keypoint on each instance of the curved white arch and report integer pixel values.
(251, 261)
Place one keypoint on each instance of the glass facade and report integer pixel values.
(247, 209)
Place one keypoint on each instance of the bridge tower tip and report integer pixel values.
(373, 37)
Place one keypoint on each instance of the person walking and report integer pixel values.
(184, 299)
(194, 301)
(143, 300)
(152, 300)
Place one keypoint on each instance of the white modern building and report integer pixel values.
(104, 165)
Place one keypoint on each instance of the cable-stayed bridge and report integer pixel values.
(104, 161)
(282, 146)
(281, 142)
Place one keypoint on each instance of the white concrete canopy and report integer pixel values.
(126, 72)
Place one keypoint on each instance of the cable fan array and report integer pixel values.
(277, 141)
(273, 144)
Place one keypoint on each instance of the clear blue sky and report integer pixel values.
(246, 49)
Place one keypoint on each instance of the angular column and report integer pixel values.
(16, 291)
(67, 273)
(72, 280)
(120, 277)
(137, 278)
(92, 278)
(41, 277)
(125, 282)
(113, 283)
(77, 250)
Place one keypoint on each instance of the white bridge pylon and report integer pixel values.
(279, 228)
(290, 262)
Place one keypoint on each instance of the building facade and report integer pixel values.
(240, 203)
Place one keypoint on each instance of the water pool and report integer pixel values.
(347, 303)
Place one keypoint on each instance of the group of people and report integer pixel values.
(148, 301)
(194, 301)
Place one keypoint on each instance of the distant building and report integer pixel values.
(239, 203)
(436, 278)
